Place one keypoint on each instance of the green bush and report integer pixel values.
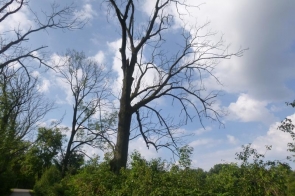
(49, 183)
(157, 177)
(92, 180)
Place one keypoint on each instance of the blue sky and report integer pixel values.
(254, 87)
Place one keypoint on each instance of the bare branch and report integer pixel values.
(14, 50)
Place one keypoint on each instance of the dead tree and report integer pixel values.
(177, 74)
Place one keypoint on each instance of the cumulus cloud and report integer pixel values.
(63, 91)
(247, 109)
(266, 67)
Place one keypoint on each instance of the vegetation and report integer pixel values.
(158, 177)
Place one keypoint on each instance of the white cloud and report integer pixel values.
(202, 130)
(114, 48)
(99, 57)
(208, 160)
(19, 20)
(44, 87)
(205, 142)
(247, 109)
(86, 13)
(231, 139)
(35, 74)
(58, 82)
(277, 139)
(56, 60)
(140, 145)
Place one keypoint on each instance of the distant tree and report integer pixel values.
(13, 48)
(88, 84)
(185, 156)
(42, 152)
(176, 76)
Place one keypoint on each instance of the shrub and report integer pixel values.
(49, 184)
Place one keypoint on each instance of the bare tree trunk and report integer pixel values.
(121, 148)
(65, 161)
(124, 123)
(67, 157)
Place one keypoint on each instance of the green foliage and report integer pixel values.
(42, 153)
(93, 179)
(21, 107)
(291, 184)
(184, 156)
(49, 184)
(253, 176)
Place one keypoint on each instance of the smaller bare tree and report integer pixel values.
(89, 87)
